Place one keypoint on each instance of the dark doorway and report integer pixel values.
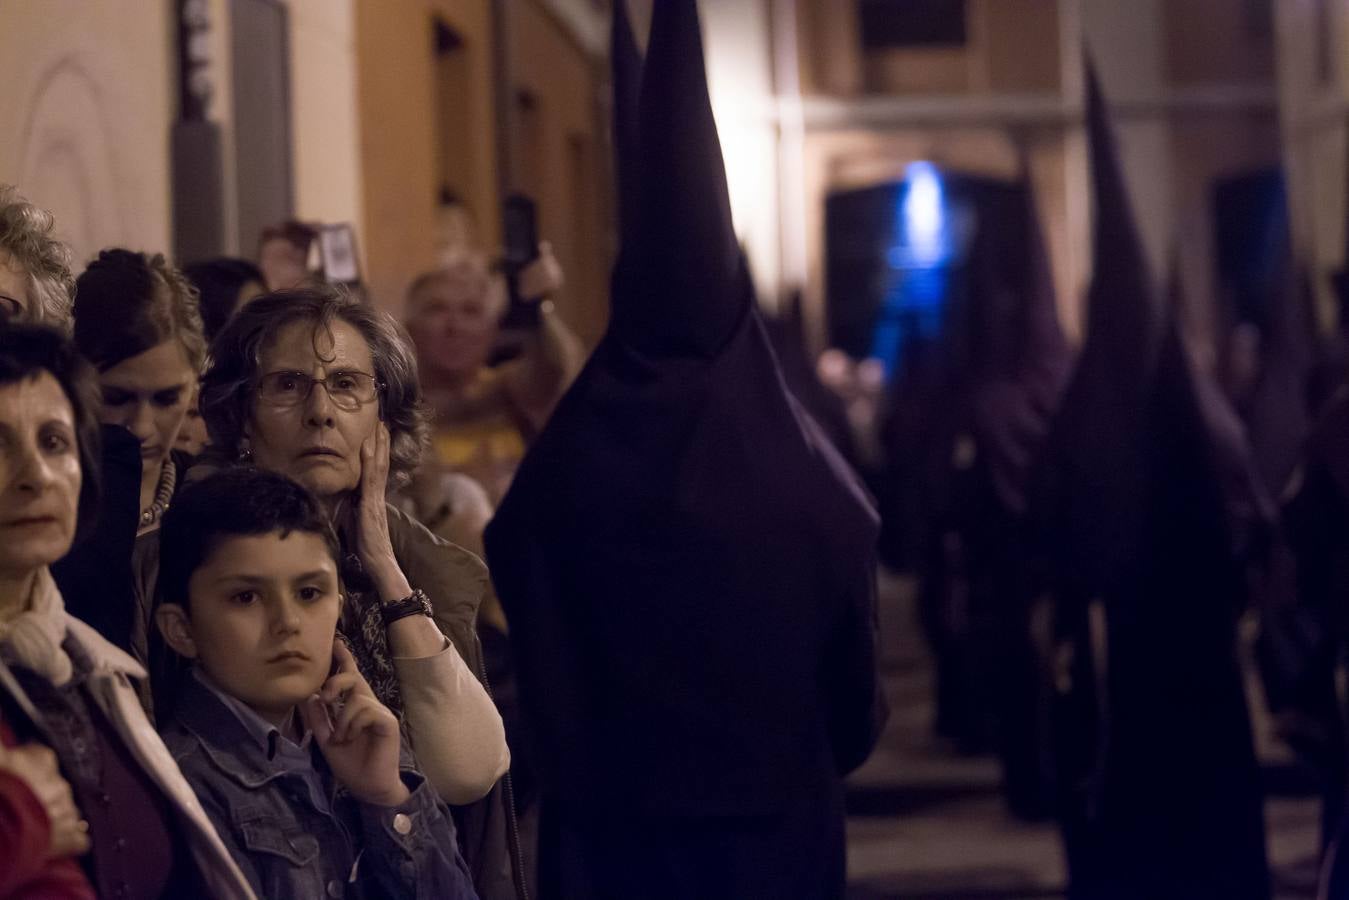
(1250, 229)
(895, 260)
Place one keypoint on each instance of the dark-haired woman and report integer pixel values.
(61, 684)
(137, 321)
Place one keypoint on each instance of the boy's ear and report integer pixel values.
(177, 630)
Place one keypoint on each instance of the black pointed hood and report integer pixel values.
(680, 286)
(626, 60)
(1095, 453)
(1149, 504)
(1139, 425)
(1278, 420)
(1230, 458)
(1046, 348)
(681, 527)
(1013, 409)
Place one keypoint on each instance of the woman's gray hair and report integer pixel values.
(26, 235)
(229, 388)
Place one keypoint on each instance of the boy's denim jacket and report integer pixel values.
(282, 838)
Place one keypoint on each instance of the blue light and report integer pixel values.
(924, 215)
(924, 245)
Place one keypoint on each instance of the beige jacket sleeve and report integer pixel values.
(455, 729)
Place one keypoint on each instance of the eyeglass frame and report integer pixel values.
(378, 385)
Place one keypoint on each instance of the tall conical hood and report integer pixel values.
(1045, 346)
(1095, 458)
(1146, 476)
(1340, 279)
(1278, 420)
(679, 287)
(1229, 459)
(626, 61)
(1013, 411)
(660, 515)
(1122, 316)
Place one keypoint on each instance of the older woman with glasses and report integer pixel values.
(318, 386)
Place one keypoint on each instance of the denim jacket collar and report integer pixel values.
(229, 745)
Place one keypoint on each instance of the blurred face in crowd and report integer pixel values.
(149, 395)
(262, 612)
(14, 300)
(39, 474)
(454, 328)
(314, 435)
(283, 264)
(192, 436)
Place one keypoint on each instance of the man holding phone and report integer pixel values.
(486, 415)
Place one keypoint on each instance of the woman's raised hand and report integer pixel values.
(373, 544)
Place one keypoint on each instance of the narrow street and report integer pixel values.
(928, 824)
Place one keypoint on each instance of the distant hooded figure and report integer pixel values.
(975, 585)
(687, 564)
(1146, 492)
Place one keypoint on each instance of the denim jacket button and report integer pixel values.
(402, 824)
(334, 889)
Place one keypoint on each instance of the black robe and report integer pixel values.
(688, 566)
(1146, 495)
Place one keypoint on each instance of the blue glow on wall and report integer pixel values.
(925, 246)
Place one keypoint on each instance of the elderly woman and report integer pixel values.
(320, 387)
(61, 684)
(35, 280)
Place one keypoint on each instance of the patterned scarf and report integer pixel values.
(33, 638)
(362, 627)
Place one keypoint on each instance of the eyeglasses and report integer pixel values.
(347, 390)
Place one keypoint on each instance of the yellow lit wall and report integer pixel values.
(396, 94)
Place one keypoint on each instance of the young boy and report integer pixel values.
(301, 769)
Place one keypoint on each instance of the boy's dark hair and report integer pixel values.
(27, 351)
(240, 501)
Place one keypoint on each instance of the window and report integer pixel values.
(896, 24)
(451, 97)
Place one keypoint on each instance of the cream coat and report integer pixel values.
(110, 685)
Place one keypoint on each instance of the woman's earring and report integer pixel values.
(245, 453)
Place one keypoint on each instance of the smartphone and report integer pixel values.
(338, 259)
(520, 224)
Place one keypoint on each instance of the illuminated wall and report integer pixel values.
(86, 109)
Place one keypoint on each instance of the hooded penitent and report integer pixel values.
(687, 565)
(1015, 398)
(1277, 411)
(1146, 491)
(976, 589)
